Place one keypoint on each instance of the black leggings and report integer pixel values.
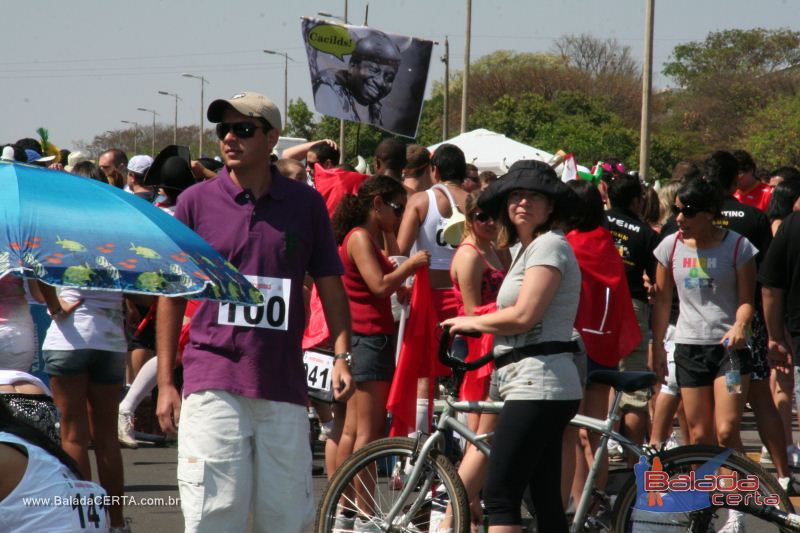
(526, 450)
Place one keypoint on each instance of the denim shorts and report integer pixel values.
(103, 367)
(373, 358)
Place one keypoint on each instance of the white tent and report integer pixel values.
(488, 150)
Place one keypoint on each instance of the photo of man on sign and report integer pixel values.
(365, 75)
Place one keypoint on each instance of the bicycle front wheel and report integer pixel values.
(370, 482)
(683, 460)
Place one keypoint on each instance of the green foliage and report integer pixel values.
(300, 120)
(772, 135)
(734, 52)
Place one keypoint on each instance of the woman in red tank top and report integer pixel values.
(477, 271)
(369, 280)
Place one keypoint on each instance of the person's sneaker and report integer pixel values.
(766, 458)
(734, 523)
(615, 451)
(793, 454)
(125, 433)
(343, 523)
(672, 441)
(366, 525)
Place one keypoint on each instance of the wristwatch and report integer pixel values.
(347, 356)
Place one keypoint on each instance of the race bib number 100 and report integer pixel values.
(273, 314)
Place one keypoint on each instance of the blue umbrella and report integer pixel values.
(71, 231)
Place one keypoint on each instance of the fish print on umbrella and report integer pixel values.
(66, 230)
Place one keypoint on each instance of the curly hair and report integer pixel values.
(352, 211)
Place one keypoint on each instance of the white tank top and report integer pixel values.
(431, 231)
(74, 505)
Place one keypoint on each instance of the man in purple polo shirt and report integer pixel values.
(243, 439)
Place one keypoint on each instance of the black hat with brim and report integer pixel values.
(529, 175)
(171, 169)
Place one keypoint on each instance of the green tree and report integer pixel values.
(727, 78)
(772, 135)
(300, 121)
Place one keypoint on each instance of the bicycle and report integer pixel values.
(404, 484)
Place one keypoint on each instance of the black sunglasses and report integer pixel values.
(688, 211)
(481, 216)
(397, 208)
(242, 130)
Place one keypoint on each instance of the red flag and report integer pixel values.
(605, 319)
(417, 353)
(316, 329)
(474, 386)
(334, 183)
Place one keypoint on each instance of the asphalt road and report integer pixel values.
(150, 479)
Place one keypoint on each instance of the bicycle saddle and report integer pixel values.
(624, 381)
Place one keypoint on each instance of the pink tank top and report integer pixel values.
(491, 280)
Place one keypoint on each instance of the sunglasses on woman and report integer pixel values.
(481, 216)
(397, 208)
(688, 211)
(242, 130)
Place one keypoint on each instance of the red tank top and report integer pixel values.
(491, 280)
(370, 314)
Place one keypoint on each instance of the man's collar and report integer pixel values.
(278, 189)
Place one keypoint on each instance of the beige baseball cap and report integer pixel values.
(248, 104)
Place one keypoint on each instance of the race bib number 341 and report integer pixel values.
(274, 314)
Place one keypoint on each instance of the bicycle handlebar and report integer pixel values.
(448, 360)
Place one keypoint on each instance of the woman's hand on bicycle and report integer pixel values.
(461, 324)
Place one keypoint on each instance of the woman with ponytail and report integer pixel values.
(370, 279)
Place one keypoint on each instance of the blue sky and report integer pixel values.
(79, 68)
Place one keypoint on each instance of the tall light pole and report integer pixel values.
(647, 89)
(465, 87)
(153, 111)
(175, 128)
(202, 106)
(135, 131)
(446, 110)
(286, 59)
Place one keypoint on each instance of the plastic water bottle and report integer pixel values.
(733, 377)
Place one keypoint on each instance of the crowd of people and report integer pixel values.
(695, 279)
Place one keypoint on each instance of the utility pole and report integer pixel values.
(465, 89)
(647, 89)
(341, 121)
(446, 111)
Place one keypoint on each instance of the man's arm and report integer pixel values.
(298, 152)
(170, 313)
(779, 353)
(337, 314)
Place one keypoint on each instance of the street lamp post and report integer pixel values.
(135, 131)
(286, 59)
(175, 128)
(202, 106)
(153, 111)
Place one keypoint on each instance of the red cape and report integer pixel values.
(605, 319)
(334, 183)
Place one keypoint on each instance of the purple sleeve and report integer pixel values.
(324, 259)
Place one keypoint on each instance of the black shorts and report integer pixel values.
(373, 358)
(698, 365)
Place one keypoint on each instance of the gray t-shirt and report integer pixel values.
(550, 377)
(706, 284)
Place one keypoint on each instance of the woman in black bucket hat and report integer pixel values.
(533, 346)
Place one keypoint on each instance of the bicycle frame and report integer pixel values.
(448, 422)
